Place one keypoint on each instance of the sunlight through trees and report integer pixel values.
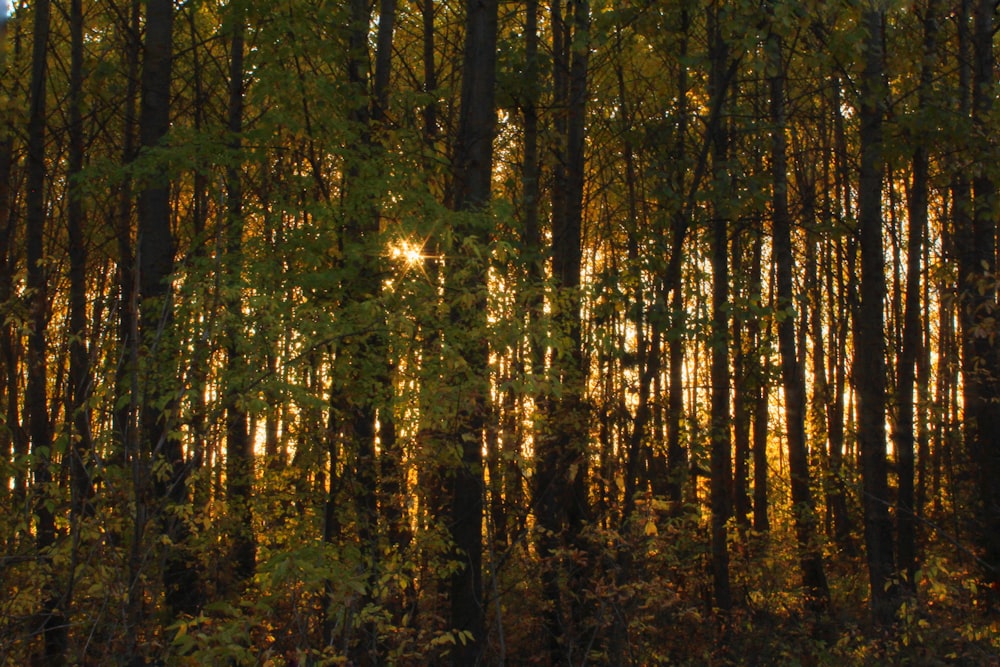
(437, 332)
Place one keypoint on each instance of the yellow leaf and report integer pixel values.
(650, 528)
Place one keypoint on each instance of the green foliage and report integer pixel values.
(359, 367)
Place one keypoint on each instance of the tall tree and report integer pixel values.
(982, 371)
(722, 186)
(911, 343)
(792, 368)
(473, 174)
(36, 408)
(8, 361)
(677, 460)
(155, 264)
(869, 338)
(239, 446)
(561, 445)
(79, 372)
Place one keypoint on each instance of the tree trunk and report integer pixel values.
(721, 439)
(79, 371)
(473, 172)
(839, 311)
(744, 393)
(869, 356)
(911, 344)
(792, 370)
(8, 354)
(125, 416)
(239, 445)
(80, 380)
(156, 257)
(761, 522)
(982, 407)
(561, 453)
(35, 397)
(677, 459)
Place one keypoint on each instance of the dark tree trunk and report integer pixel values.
(966, 253)
(982, 370)
(745, 391)
(721, 438)
(239, 446)
(839, 309)
(792, 368)
(200, 199)
(761, 522)
(8, 354)
(912, 338)
(530, 176)
(36, 410)
(562, 505)
(869, 356)
(80, 381)
(79, 370)
(677, 459)
(125, 417)
(391, 465)
(473, 171)
(155, 263)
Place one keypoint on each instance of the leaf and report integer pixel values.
(650, 529)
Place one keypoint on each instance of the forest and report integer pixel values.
(578, 332)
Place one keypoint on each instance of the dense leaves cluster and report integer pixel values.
(415, 332)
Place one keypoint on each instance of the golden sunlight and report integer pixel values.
(407, 251)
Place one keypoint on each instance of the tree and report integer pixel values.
(561, 455)
(983, 369)
(869, 339)
(911, 343)
(155, 259)
(722, 185)
(239, 446)
(36, 408)
(473, 174)
(792, 371)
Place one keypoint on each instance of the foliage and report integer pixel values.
(333, 323)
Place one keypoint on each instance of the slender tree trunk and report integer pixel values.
(530, 175)
(963, 243)
(869, 356)
(79, 372)
(912, 343)
(721, 439)
(35, 397)
(155, 262)
(199, 364)
(80, 381)
(125, 417)
(473, 172)
(647, 360)
(561, 449)
(792, 368)
(647, 363)
(239, 445)
(391, 462)
(983, 412)
(761, 523)
(677, 459)
(8, 355)
(360, 287)
(743, 395)
(840, 300)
